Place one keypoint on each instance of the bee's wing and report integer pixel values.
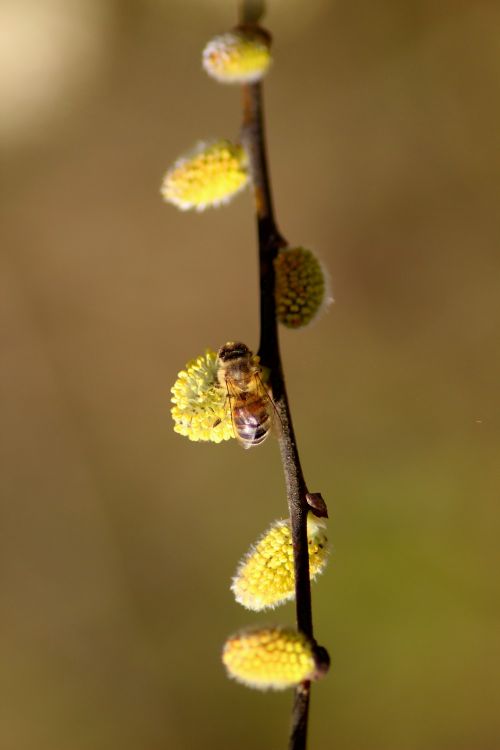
(265, 392)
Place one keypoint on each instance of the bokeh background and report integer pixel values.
(118, 537)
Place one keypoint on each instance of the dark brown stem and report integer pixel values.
(251, 11)
(270, 242)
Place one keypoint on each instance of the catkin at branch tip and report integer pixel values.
(239, 56)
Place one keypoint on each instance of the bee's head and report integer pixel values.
(233, 350)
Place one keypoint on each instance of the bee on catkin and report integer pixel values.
(251, 406)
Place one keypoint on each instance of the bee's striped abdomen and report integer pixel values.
(251, 418)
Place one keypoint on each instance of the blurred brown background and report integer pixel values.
(118, 537)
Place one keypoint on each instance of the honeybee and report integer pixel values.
(252, 408)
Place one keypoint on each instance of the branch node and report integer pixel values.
(317, 504)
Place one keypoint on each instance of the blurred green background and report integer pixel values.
(118, 537)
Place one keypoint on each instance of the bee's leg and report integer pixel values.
(235, 431)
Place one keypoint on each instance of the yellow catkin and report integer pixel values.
(199, 403)
(301, 287)
(239, 56)
(265, 577)
(210, 175)
(270, 658)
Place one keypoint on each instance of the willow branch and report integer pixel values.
(270, 242)
(251, 11)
